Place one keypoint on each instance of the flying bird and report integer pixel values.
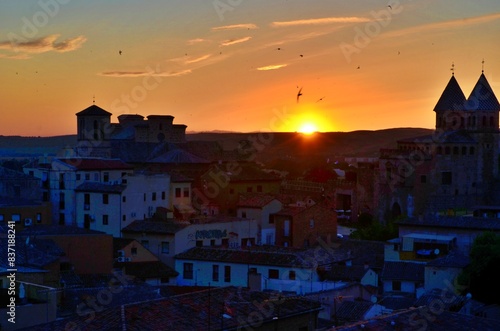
(299, 94)
(120, 52)
(301, 55)
(320, 99)
(390, 7)
(359, 67)
(278, 49)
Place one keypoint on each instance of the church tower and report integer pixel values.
(483, 108)
(94, 131)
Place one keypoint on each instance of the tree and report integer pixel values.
(480, 278)
(376, 231)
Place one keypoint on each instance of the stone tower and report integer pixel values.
(94, 132)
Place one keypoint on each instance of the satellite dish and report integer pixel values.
(374, 299)
(436, 251)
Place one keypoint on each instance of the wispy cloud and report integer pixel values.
(235, 26)
(272, 67)
(196, 41)
(42, 45)
(197, 59)
(235, 41)
(144, 73)
(320, 21)
(447, 25)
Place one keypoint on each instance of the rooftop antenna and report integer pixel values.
(453, 69)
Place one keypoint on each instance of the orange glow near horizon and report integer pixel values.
(358, 66)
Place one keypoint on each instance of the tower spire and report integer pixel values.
(93, 99)
(452, 68)
(482, 66)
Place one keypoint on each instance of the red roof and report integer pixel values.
(255, 200)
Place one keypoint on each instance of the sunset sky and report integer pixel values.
(237, 65)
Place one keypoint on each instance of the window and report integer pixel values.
(291, 275)
(78, 176)
(243, 214)
(186, 192)
(471, 150)
(271, 219)
(62, 203)
(455, 150)
(86, 201)
(423, 179)
(96, 177)
(311, 223)
(259, 188)
(212, 242)
(62, 219)
(446, 178)
(105, 199)
(177, 192)
(163, 195)
(164, 280)
(145, 243)
(105, 177)
(396, 285)
(87, 176)
(225, 242)
(133, 251)
(249, 189)
(61, 181)
(1, 217)
(199, 243)
(144, 196)
(105, 219)
(227, 274)
(124, 198)
(153, 196)
(45, 196)
(188, 271)
(16, 217)
(286, 228)
(215, 273)
(273, 274)
(165, 247)
(124, 217)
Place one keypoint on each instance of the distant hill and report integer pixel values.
(272, 145)
(18, 147)
(280, 144)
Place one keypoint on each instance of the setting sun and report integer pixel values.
(308, 128)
